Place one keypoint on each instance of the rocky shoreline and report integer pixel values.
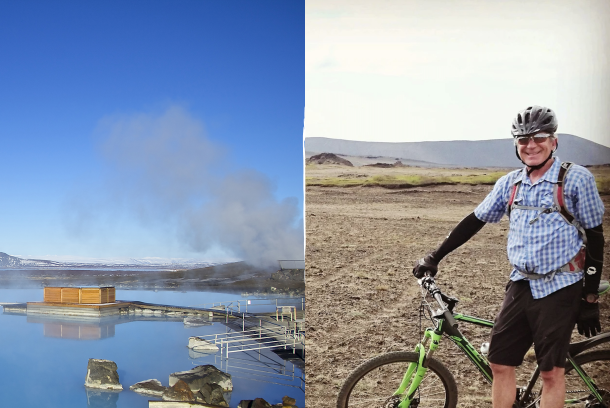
(204, 385)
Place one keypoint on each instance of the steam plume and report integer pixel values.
(165, 171)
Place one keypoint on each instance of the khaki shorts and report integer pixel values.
(547, 323)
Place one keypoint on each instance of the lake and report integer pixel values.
(44, 361)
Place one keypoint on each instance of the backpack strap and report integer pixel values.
(511, 200)
(576, 264)
(512, 205)
(559, 200)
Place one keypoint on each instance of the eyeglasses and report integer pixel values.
(537, 138)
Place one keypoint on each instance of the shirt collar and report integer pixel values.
(551, 174)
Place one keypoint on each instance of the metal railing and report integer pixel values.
(241, 305)
(258, 366)
(267, 335)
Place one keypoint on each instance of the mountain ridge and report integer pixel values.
(466, 153)
(13, 262)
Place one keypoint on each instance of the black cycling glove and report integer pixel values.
(588, 319)
(427, 265)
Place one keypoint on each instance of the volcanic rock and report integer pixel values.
(212, 394)
(102, 374)
(287, 401)
(198, 344)
(201, 375)
(257, 403)
(149, 387)
(180, 391)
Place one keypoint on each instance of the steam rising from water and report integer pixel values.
(165, 171)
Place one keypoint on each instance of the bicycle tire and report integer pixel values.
(373, 382)
(596, 365)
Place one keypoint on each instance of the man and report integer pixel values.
(546, 295)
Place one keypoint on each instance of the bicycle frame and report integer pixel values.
(434, 336)
(416, 371)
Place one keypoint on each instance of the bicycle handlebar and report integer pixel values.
(427, 282)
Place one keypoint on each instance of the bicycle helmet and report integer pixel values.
(534, 119)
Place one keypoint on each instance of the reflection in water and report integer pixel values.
(102, 399)
(78, 328)
(92, 328)
(194, 354)
(78, 331)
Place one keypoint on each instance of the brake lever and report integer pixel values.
(450, 301)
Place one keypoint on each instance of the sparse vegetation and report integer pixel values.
(405, 180)
(603, 184)
(427, 177)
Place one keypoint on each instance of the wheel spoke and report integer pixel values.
(375, 382)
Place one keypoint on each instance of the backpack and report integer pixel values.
(577, 263)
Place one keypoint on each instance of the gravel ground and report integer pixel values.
(362, 298)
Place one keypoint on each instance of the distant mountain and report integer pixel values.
(13, 262)
(8, 261)
(464, 153)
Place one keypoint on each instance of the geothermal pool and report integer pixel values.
(39, 367)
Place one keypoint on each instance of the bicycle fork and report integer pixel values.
(420, 368)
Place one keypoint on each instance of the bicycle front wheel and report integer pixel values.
(373, 384)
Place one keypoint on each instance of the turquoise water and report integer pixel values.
(43, 362)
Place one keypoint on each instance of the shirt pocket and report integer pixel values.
(550, 218)
(553, 218)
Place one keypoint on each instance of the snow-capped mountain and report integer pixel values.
(67, 263)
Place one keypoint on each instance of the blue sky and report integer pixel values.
(85, 88)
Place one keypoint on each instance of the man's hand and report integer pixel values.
(588, 319)
(427, 265)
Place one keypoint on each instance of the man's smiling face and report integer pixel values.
(534, 153)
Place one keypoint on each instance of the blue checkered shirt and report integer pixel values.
(550, 242)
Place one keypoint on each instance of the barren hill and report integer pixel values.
(328, 158)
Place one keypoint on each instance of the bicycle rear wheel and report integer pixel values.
(596, 364)
(373, 383)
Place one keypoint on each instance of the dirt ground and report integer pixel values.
(362, 299)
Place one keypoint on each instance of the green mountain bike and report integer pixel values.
(416, 379)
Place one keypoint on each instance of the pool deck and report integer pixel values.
(120, 307)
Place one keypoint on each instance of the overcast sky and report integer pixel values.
(409, 70)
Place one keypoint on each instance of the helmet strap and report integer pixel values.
(538, 166)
